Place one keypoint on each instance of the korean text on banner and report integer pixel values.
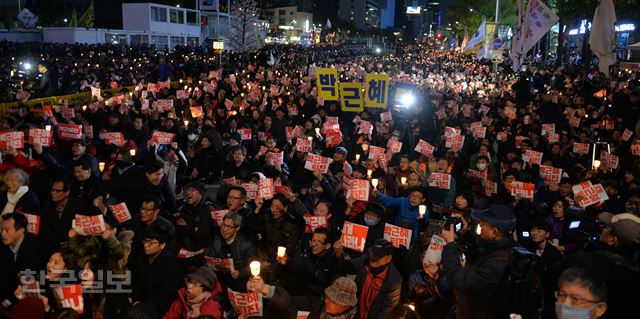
(317, 163)
(327, 83)
(120, 212)
(424, 148)
(592, 194)
(525, 190)
(550, 173)
(162, 137)
(114, 138)
(245, 134)
(351, 96)
(266, 189)
(377, 90)
(33, 222)
(14, 139)
(69, 131)
(40, 136)
(533, 157)
(354, 236)
(434, 252)
(397, 236)
(440, 180)
(303, 145)
(246, 304)
(220, 264)
(359, 189)
(70, 296)
(184, 253)
(89, 225)
(218, 216)
(315, 221)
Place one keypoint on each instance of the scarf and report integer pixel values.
(195, 304)
(374, 278)
(12, 199)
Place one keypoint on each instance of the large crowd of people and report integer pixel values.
(237, 192)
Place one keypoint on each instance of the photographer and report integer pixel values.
(48, 81)
(477, 285)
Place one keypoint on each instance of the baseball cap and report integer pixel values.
(625, 226)
(343, 292)
(341, 150)
(499, 216)
(205, 276)
(380, 248)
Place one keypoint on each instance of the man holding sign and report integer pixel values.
(232, 244)
(408, 207)
(379, 281)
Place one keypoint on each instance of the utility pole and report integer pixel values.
(495, 63)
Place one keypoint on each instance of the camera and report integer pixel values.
(447, 221)
(585, 230)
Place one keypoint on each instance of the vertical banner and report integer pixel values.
(377, 90)
(327, 83)
(539, 20)
(351, 94)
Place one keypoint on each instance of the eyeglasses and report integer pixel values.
(235, 197)
(573, 299)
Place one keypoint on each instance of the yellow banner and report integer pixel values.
(377, 90)
(351, 94)
(327, 83)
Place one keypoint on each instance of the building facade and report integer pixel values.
(360, 14)
(162, 25)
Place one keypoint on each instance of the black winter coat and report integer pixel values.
(477, 285)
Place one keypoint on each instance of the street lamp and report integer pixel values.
(218, 46)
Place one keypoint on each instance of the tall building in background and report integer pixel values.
(361, 14)
(387, 14)
(424, 17)
(433, 17)
(302, 5)
(323, 10)
(400, 15)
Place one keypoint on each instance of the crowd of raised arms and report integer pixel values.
(267, 186)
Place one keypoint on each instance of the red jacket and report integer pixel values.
(179, 307)
(28, 165)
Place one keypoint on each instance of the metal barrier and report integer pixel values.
(53, 100)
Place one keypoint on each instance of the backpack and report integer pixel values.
(522, 285)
